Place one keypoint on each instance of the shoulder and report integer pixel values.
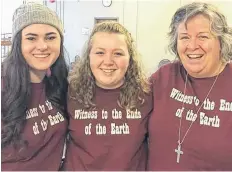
(166, 77)
(166, 71)
(71, 95)
(228, 70)
(230, 66)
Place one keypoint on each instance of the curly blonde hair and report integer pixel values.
(82, 81)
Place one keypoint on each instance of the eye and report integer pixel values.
(118, 54)
(203, 37)
(99, 53)
(184, 38)
(51, 38)
(31, 38)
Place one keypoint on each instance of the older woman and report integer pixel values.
(190, 128)
(109, 104)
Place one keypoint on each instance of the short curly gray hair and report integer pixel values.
(218, 24)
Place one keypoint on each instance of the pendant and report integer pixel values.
(178, 153)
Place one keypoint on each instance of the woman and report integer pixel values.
(194, 132)
(109, 104)
(34, 90)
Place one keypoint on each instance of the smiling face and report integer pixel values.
(198, 48)
(109, 59)
(40, 46)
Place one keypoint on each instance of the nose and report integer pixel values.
(193, 44)
(108, 59)
(41, 45)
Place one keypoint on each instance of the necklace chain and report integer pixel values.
(178, 150)
(186, 81)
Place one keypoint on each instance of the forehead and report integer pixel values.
(39, 29)
(198, 23)
(109, 38)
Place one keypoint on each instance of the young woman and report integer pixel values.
(34, 90)
(109, 104)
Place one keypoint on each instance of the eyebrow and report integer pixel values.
(185, 33)
(47, 34)
(99, 48)
(203, 32)
(117, 49)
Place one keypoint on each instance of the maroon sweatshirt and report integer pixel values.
(208, 143)
(45, 131)
(109, 137)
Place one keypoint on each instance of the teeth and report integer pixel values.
(41, 55)
(194, 56)
(107, 70)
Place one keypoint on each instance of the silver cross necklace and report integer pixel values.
(178, 151)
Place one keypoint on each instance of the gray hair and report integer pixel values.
(218, 26)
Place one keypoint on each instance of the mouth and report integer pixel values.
(108, 71)
(194, 56)
(41, 55)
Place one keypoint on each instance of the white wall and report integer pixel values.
(7, 9)
(147, 20)
(80, 15)
(153, 22)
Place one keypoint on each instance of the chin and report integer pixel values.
(44, 69)
(193, 68)
(195, 73)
